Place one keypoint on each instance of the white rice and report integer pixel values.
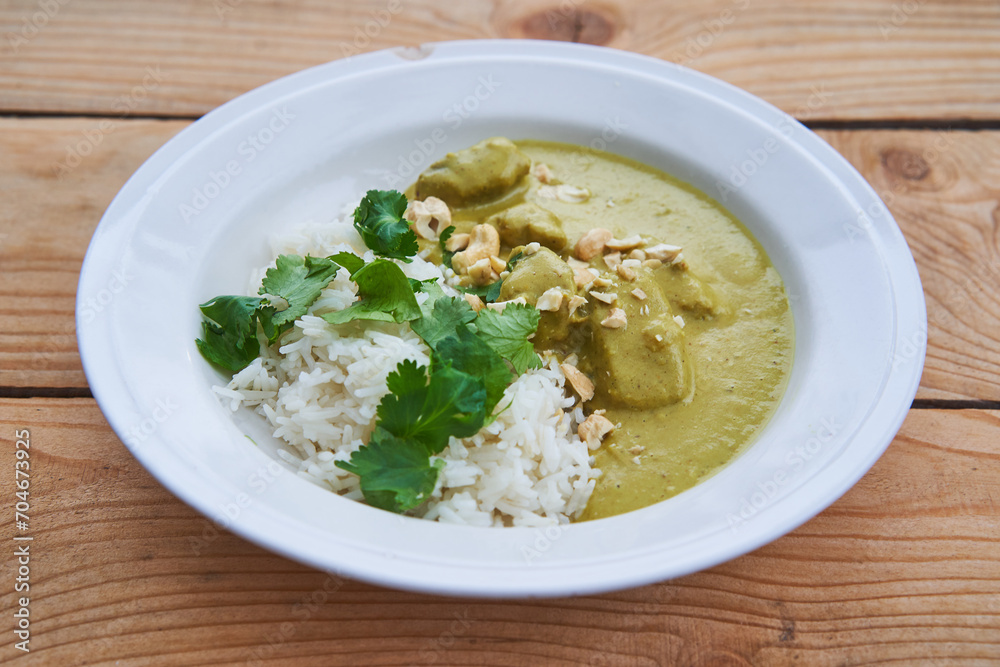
(320, 385)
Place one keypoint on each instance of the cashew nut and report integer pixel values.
(592, 243)
(499, 306)
(497, 264)
(456, 242)
(663, 252)
(581, 384)
(594, 429)
(584, 277)
(542, 172)
(607, 297)
(564, 193)
(482, 272)
(429, 217)
(627, 269)
(615, 320)
(629, 243)
(601, 282)
(550, 300)
(474, 301)
(484, 242)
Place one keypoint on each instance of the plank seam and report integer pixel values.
(933, 124)
(953, 404)
(45, 392)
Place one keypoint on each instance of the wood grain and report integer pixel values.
(50, 213)
(942, 188)
(904, 568)
(944, 191)
(871, 59)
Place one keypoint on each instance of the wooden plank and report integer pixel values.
(870, 59)
(941, 186)
(905, 567)
(50, 214)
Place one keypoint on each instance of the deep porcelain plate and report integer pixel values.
(194, 220)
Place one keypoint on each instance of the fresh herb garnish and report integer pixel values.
(446, 254)
(379, 220)
(455, 396)
(473, 359)
(230, 322)
(394, 475)
(441, 320)
(425, 410)
(297, 280)
(514, 259)
(488, 293)
(230, 331)
(469, 353)
(349, 261)
(508, 332)
(416, 419)
(384, 293)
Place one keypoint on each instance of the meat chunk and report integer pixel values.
(476, 175)
(527, 223)
(689, 293)
(531, 278)
(534, 274)
(645, 363)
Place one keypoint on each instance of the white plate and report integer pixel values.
(194, 219)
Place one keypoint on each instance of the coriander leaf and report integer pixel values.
(266, 316)
(508, 332)
(514, 259)
(440, 321)
(213, 348)
(418, 285)
(384, 293)
(230, 331)
(470, 354)
(299, 281)
(395, 475)
(379, 220)
(349, 261)
(488, 293)
(433, 291)
(446, 254)
(427, 411)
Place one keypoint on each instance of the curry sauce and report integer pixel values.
(688, 356)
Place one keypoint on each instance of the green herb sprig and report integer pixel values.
(473, 359)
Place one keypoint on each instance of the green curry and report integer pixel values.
(688, 353)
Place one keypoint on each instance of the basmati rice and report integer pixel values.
(320, 385)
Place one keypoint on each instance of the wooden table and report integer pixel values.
(905, 568)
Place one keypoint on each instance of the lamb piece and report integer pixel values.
(527, 223)
(642, 363)
(534, 275)
(475, 175)
(689, 293)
